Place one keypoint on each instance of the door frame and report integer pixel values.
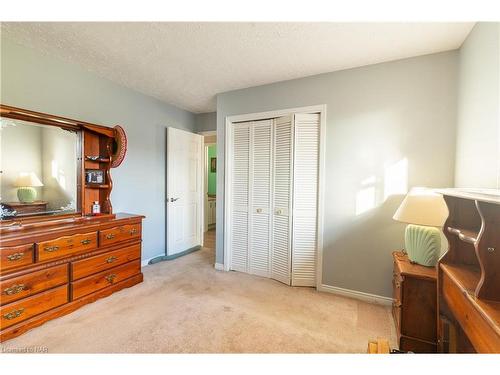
(228, 157)
(205, 184)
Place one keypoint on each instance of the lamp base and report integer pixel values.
(26, 194)
(423, 244)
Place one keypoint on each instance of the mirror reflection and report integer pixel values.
(38, 165)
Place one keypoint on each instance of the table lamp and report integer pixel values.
(26, 183)
(425, 212)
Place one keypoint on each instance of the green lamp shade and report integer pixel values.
(423, 244)
(26, 194)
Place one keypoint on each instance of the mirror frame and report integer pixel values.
(74, 125)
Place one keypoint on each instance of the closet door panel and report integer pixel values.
(240, 197)
(305, 199)
(260, 185)
(282, 194)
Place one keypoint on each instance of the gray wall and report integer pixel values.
(376, 116)
(34, 80)
(478, 133)
(206, 121)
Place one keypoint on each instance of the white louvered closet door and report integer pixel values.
(240, 197)
(282, 194)
(260, 197)
(305, 199)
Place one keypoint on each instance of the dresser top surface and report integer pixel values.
(65, 224)
(482, 195)
(406, 268)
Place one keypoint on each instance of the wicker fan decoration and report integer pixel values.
(119, 147)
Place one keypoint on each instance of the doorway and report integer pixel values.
(210, 180)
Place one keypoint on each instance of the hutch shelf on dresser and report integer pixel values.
(469, 274)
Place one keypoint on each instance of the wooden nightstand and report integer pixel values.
(414, 307)
(28, 208)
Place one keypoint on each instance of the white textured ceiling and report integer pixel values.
(187, 64)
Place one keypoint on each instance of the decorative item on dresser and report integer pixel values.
(469, 273)
(425, 212)
(414, 306)
(54, 261)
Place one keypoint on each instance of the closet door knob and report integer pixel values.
(279, 212)
(259, 210)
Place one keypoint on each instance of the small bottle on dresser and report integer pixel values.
(96, 208)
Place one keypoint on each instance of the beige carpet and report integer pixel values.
(186, 306)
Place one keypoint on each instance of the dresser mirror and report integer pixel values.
(40, 167)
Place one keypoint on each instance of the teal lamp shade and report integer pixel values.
(425, 212)
(26, 183)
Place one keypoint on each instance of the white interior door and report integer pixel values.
(305, 198)
(282, 199)
(184, 191)
(260, 197)
(240, 143)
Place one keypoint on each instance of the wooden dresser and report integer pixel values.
(49, 271)
(469, 274)
(52, 263)
(414, 306)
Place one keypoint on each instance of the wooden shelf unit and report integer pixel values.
(469, 274)
(95, 143)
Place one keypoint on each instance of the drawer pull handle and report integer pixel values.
(110, 278)
(15, 256)
(133, 231)
(14, 289)
(86, 241)
(111, 259)
(491, 250)
(51, 249)
(14, 314)
(110, 236)
(397, 304)
(397, 284)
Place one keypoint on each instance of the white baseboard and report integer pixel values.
(362, 296)
(219, 266)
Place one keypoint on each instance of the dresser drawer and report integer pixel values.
(15, 256)
(24, 286)
(121, 233)
(66, 246)
(98, 263)
(28, 307)
(104, 279)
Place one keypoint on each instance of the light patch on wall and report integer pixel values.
(365, 198)
(396, 178)
(58, 174)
